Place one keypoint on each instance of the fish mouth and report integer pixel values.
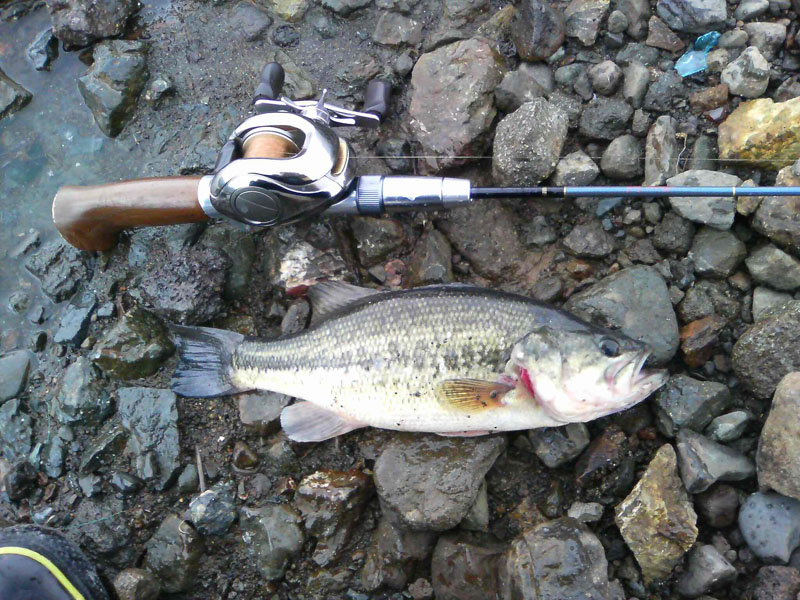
(629, 373)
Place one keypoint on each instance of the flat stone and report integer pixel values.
(778, 457)
(693, 16)
(703, 462)
(661, 36)
(430, 483)
(556, 446)
(774, 267)
(712, 211)
(635, 301)
(272, 535)
(717, 253)
(535, 563)
(583, 19)
(528, 143)
(689, 403)
(767, 350)
(748, 75)
(537, 30)
(657, 520)
(173, 555)
(729, 427)
(707, 570)
(770, 524)
(14, 368)
(452, 101)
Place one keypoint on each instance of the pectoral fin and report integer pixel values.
(307, 422)
(472, 394)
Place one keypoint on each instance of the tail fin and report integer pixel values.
(204, 361)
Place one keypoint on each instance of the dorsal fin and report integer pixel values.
(329, 296)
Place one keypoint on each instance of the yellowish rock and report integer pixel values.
(657, 519)
(290, 10)
(762, 133)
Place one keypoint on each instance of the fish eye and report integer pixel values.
(609, 347)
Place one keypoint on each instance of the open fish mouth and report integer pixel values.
(628, 373)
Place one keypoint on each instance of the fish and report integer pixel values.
(453, 359)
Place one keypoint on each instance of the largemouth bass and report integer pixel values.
(454, 360)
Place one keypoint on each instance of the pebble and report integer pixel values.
(707, 571)
(586, 512)
(750, 9)
(767, 37)
(261, 411)
(74, 322)
(79, 23)
(622, 159)
(748, 75)
(770, 524)
(589, 240)
(718, 506)
(665, 93)
(606, 77)
(173, 555)
(772, 266)
(464, 566)
(243, 457)
(20, 480)
(661, 36)
(82, 396)
(695, 16)
(729, 427)
(583, 19)
(717, 253)
(636, 82)
(523, 85)
(272, 535)
(674, 234)
(393, 29)
(703, 462)
(699, 339)
(605, 118)
(136, 584)
(575, 169)
(617, 21)
(431, 262)
(778, 457)
(43, 50)
(125, 483)
(213, 511)
(556, 446)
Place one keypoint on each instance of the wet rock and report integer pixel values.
(187, 287)
(135, 347)
(773, 267)
(53, 454)
(661, 36)
(43, 50)
(707, 571)
(78, 23)
(589, 240)
(173, 555)
(718, 506)
(537, 30)
(689, 403)
(705, 298)
(716, 253)
(621, 160)
(188, 480)
(699, 339)
(528, 143)
(728, 427)
(243, 457)
(272, 536)
(657, 520)
(125, 483)
(393, 29)
(75, 321)
(464, 566)
(523, 85)
(13, 97)
(606, 77)
(14, 369)
(213, 512)
(603, 468)
(764, 134)
(778, 455)
(136, 584)
(661, 151)
(377, 238)
(557, 559)
(776, 583)
(103, 447)
(82, 396)
(703, 462)
(59, 268)
(431, 261)
(430, 482)
(674, 234)
(770, 524)
(452, 104)
(605, 118)
(260, 411)
(331, 503)
(556, 446)
(748, 75)
(393, 555)
(151, 417)
(583, 19)
(693, 16)
(636, 301)
(767, 350)
(663, 94)
(574, 169)
(20, 480)
(714, 212)
(637, 80)
(112, 85)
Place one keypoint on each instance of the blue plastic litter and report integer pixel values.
(694, 61)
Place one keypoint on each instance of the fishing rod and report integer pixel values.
(287, 164)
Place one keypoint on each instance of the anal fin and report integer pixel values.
(472, 394)
(307, 422)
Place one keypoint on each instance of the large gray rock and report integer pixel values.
(430, 482)
(14, 368)
(778, 457)
(151, 417)
(707, 571)
(583, 18)
(557, 559)
(605, 118)
(748, 75)
(691, 403)
(717, 253)
(774, 267)
(537, 30)
(528, 143)
(464, 566)
(657, 520)
(661, 151)
(703, 462)
(13, 97)
(81, 397)
(712, 211)
(16, 428)
(770, 524)
(452, 101)
(113, 83)
(173, 555)
(78, 23)
(271, 534)
(693, 16)
(768, 349)
(636, 301)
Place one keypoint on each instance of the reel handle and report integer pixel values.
(376, 98)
